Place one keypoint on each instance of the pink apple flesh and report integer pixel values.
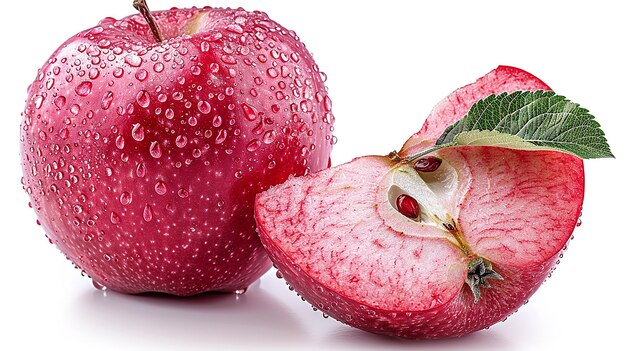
(338, 238)
(142, 158)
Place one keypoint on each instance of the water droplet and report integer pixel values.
(272, 72)
(118, 72)
(126, 198)
(141, 75)
(98, 285)
(78, 209)
(106, 100)
(239, 174)
(269, 136)
(158, 67)
(249, 112)
(204, 46)
(141, 170)
(143, 99)
(64, 133)
(195, 70)
(137, 132)
(229, 59)
(147, 213)
(115, 219)
(59, 101)
(119, 142)
(204, 107)
(84, 88)
(235, 28)
(160, 187)
(240, 291)
(181, 141)
(253, 145)
(94, 73)
(43, 135)
(169, 113)
(183, 193)
(279, 275)
(579, 222)
(217, 121)
(155, 149)
(132, 60)
(220, 203)
(327, 103)
(221, 136)
(192, 121)
(75, 109)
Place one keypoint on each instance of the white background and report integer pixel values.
(388, 64)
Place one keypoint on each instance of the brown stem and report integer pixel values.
(142, 7)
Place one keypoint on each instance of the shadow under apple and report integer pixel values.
(207, 320)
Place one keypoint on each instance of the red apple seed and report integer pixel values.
(427, 164)
(408, 206)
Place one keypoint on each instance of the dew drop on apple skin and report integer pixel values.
(183, 193)
(119, 142)
(137, 132)
(126, 198)
(141, 74)
(221, 136)
(204, 107)
(147, 213)
(160, 187)
(107, 99)
(98, 285)
(115, 219)
(140, 171)
(143, 99)
(132, 60)
(84, 88)
(181, 141)
(59, 101)
(155, 149)
(253, 145)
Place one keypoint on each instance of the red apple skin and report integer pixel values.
(142, 159)
(296, 248)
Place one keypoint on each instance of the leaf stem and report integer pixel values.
(426, 152)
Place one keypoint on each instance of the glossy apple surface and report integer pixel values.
(142, 158)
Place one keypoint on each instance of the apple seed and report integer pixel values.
(408, 206)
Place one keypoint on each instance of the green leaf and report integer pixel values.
(529, 120)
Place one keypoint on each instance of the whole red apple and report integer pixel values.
(143, 146)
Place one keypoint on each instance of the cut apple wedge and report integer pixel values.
(440, 251)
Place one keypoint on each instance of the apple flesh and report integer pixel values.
(142, 158)
(347, 242)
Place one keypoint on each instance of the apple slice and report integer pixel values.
(487, 229)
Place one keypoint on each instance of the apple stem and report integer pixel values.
(142, 7)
